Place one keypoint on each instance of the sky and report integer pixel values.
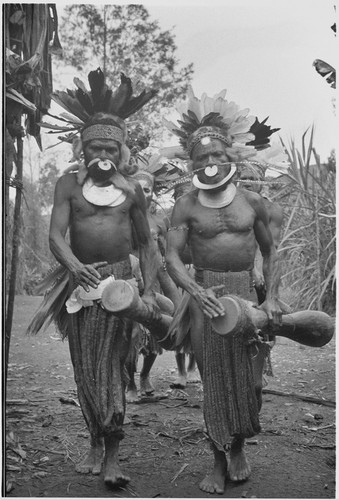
(262, 52)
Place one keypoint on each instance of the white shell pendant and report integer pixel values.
(108, 196)
(211, 171)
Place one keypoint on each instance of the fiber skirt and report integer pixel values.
(230, 404)
(99, 343)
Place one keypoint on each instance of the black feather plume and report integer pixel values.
(121, 96)
(136, 103)
(85, 101)
(99, 89)
(261, 133)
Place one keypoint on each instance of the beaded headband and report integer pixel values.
(100, 131)
(196, 138)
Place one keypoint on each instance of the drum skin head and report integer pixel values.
(118, 296)
(224, 325)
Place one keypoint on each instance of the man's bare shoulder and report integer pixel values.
(69, 179)
(131, 181)
(187, 199)
(251, 197)
(67, 183)
(276, 212)
(135, 192)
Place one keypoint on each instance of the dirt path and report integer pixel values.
(165, 451)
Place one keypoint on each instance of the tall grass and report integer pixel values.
(308, 244)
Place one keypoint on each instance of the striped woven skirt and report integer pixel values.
(99, 343)
(230, 404)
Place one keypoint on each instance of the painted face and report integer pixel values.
(208, 155)
(101, 150)
(249, 174)
(147, 188)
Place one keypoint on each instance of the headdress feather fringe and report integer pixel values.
(245, 133)
(81, 104)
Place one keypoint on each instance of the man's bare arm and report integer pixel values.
(147, 253)
(84, 275)
(271, 268)
(177, 238)
(275, 216)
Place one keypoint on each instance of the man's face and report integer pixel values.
(249, 174)
(101, 149)
(207, 155)
(147, 188)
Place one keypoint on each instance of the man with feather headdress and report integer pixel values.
(143, 342)
(154, 173)
(99, 204)
(222, 225)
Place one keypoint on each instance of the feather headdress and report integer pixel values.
(160, 170)
(81, 104)
(215, 117)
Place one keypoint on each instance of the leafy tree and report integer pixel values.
(34, 256)
(122, 38)
(49, 174)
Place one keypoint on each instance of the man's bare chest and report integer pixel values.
(210, 222)
(82, 209)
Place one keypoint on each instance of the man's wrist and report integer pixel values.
(195, 290)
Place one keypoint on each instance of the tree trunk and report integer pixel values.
(15, 251)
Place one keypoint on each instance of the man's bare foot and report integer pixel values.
(132, 396)
(215, 481)
(146, 388)
(239, 468)
(92, 462)
(180, 382)
(114, 477)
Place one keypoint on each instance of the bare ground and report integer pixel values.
(165, 451)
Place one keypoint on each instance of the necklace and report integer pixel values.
(103, 196)
(217, 200)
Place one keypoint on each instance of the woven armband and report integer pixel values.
(177, 228)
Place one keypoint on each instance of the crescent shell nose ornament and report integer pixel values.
(211, 171)
(102, 164)
(105, 165)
